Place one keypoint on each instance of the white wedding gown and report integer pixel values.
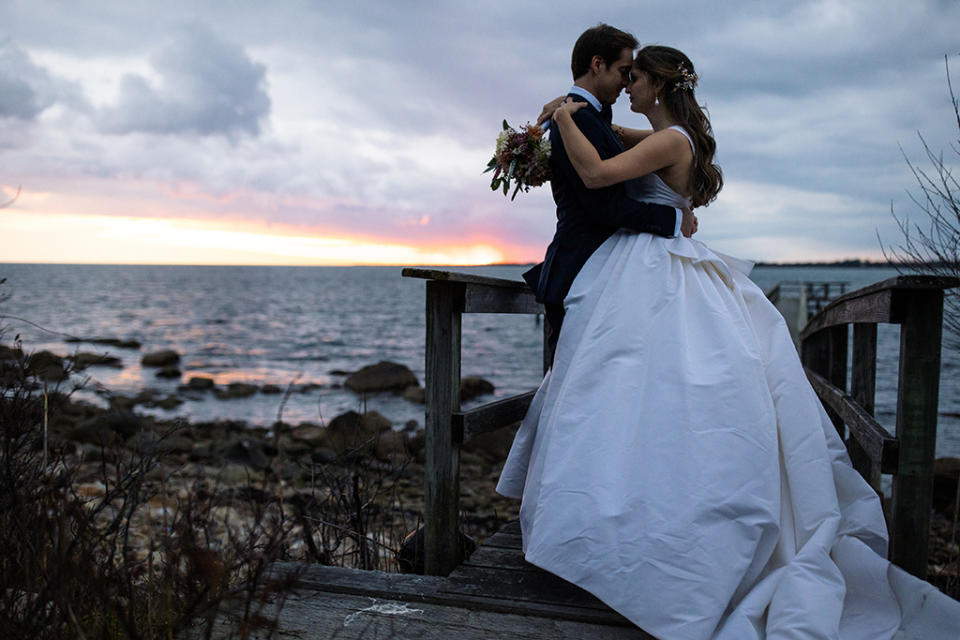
(676, 463)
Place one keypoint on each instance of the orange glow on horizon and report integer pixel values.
(69, 238)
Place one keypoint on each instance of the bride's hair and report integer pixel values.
(674, 69)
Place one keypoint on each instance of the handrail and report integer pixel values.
(449, 296)
(916, 304)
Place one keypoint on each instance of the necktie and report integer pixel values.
(606, 113)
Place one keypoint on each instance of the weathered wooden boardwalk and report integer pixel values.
(493, 594)
(496, 594)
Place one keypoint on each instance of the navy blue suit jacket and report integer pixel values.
(587, 217)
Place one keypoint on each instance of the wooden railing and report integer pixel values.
(449, 296)
(916, 304)
(913, 302)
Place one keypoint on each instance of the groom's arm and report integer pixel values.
(611, 205)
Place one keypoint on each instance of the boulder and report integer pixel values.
(383, 376)
(270, 389)
(353, 431)
(169, 371)
(415, 394)
(473, 386)
(162, 358)
(93, 432)
(236, 390)
(391, 445)
(323, 455)
(10, 353)
(113, 342)
(84, 359)
(47, 366)
(494, 445)
(200, 383)
(246, 452)
(168, 403)
(310, 433)
(417, 445)
(108, 427)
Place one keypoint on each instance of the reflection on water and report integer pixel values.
(276, 325)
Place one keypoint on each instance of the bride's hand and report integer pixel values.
(689, 224)
(548, 110)
(569, 106)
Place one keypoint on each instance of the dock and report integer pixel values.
(494, 593)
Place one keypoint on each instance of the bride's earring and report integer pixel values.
(656, 101)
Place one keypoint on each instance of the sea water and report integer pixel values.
(295, 327)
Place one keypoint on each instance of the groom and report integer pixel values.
(601, 62)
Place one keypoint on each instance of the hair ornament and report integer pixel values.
(689, 79)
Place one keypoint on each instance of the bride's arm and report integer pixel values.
(656, 151)
(631, 137)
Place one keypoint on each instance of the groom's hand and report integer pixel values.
(689, 223)
(548, 110)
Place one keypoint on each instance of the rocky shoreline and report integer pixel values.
(294, 462)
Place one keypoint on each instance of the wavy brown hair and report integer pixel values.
(674, 69)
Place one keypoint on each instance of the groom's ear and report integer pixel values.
(597, 63)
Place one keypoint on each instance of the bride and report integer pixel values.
(675, 462)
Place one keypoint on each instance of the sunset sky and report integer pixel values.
(243, 132)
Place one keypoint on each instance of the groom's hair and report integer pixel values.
(602, 40)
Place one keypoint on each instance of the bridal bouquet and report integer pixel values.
(522, 156)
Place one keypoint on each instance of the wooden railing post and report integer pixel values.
(917, 396)
(863, 386)
(836, 371)
(442, 547)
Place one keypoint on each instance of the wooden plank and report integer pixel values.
(873, 303)
(872, 307)
(358, 617)
(454, 276)
(527, 588)
(917, 397)
(863, 384)
(511, 526)
(442, 551)
(490, 416)
(486, 298)
(875, 440)
(440, 590)
(497, 557)
(504, 540)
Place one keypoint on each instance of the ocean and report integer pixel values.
(296, 326)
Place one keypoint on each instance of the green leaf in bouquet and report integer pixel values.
(506, 185)
(505, 125)
(515, 191)
(513, 165)
(495, 183)
(491, 165)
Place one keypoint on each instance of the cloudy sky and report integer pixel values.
(240, 132)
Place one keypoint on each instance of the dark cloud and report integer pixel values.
(205, 86)
(27, 89)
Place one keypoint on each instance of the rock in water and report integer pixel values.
(84, 359)
(47, 366)
(473, 386)
(200, 383)
(162, 358)
(415, 394)
(383, 376)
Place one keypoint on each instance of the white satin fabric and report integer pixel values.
(676, 463)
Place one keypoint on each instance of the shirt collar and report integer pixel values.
(589, 97)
